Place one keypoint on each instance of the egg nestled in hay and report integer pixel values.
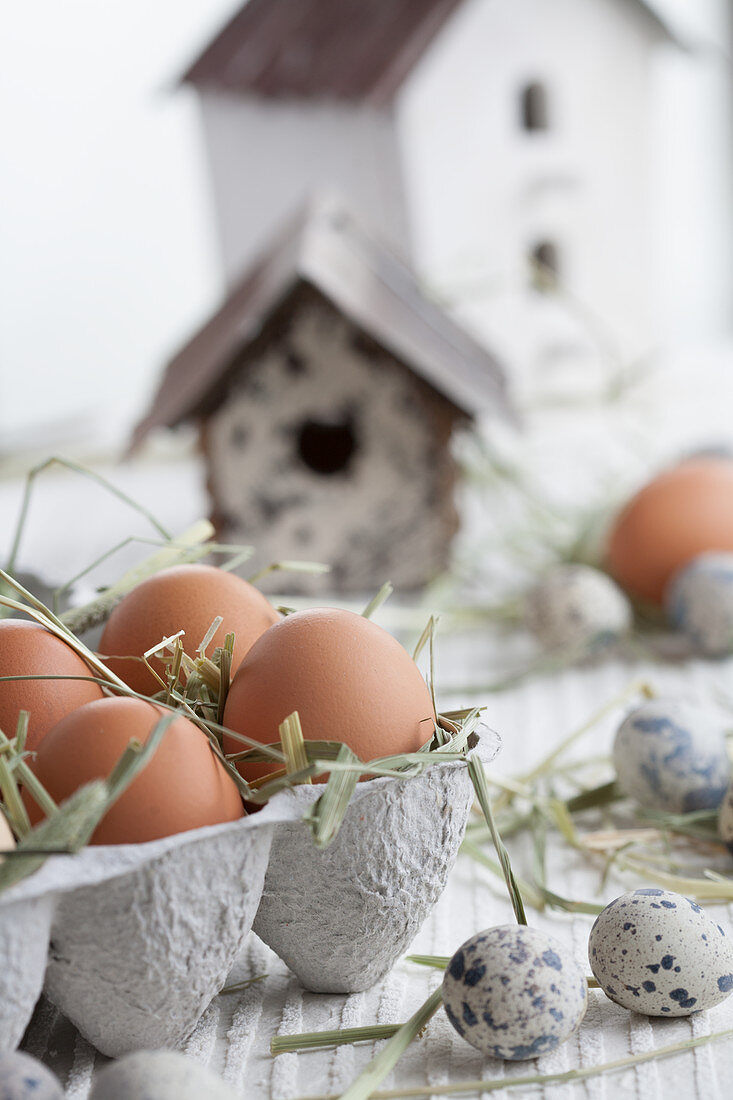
(348, 679)
(188, 598)
(184, 786)
(59, 680)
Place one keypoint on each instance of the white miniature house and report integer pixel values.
(479, 136)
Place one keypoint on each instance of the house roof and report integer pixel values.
(326, 248)
(337, 49)
(343, 49)
(658, 25)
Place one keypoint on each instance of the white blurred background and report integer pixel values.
(109, 258)
(108, 255)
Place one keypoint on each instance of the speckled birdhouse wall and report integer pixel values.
(328, 387)
(327, 448)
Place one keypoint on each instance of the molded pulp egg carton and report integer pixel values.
(133, 941)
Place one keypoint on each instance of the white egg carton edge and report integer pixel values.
(132, 942)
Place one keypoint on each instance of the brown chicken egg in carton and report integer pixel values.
(366, 797)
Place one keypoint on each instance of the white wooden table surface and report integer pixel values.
(233, 1036)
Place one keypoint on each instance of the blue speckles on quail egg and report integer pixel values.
(671, 755)
(514, 992)
(699, 602)
(25, 1078)
(659, 953)
(159, 1075)
(578, 606)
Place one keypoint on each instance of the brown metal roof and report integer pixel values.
(342, 49)
(327, 249)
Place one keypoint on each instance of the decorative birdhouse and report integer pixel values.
(328, 388)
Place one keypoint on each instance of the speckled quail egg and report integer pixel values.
(158, 1075)
(671, 755)
(514, 992)
(579, 606)
(660, 954)
(699, 602)
(25, 1078)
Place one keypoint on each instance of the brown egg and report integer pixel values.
(28, 649)
(185, 597)
(679, 514)
(348, 679)
(182, 787)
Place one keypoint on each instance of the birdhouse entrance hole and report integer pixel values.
(327, 447)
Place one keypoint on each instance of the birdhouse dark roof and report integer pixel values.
(335, 49)
(326, 248)
(343, 49)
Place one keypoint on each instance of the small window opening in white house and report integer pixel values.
(545, 265)
(534, 107)
(327, 447)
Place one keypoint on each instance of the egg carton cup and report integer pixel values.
(133, 941)
(25, 929)
(339, 918)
